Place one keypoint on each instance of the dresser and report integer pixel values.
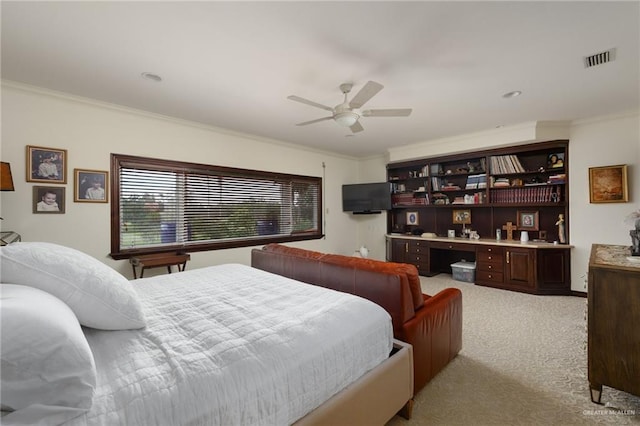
(613, 318)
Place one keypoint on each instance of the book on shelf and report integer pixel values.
(435, 184)
(501, 183)
(504, 164)
(557, 179)
(527, 194)
(476, 181)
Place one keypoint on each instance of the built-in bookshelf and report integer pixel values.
(495, 184)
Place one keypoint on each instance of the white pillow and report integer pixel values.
(48, 371)
(98, 295)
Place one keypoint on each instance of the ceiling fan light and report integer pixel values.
(346, 119)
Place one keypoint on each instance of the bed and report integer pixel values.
(224, 345)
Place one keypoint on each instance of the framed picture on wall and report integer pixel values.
(608, 184)
(48, 199)
(46, 164)
(90, 186)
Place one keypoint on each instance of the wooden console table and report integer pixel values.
(159, 260)
(614, 315)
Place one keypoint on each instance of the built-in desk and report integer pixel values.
(530, 267)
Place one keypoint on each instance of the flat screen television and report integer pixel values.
(362, 198)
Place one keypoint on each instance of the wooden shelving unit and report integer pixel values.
(495, 185)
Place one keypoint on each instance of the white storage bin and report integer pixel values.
(464, 271)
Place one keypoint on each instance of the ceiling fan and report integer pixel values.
(347, 113)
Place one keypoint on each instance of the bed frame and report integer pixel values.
(374, 398)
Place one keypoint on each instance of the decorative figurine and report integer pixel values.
(560, 224)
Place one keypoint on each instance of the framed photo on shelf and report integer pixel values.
(462, 217)
(527, 221)
(555, 160)
(46, 164)
(90, 186)
(412, 218)
(48, 199)
(608, 184)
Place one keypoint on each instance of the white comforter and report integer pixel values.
(231, 345)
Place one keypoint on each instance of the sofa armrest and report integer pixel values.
(435, 333)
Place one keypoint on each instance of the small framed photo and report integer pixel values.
(48, 199)
(90, 186)
(462, 217)
(555, 160)
(527, 221)
(608, 184)
(412, 218)
(46, 164)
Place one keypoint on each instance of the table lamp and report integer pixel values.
(6, 180)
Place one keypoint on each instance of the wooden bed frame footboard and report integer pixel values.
(374, 398)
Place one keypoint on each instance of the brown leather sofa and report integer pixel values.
(432, 324)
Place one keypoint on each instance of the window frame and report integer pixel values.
(119, 161)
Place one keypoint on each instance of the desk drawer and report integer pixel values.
(418, 258)
(419, 250)
(490, 266)
(452, 246)
(491, 250)
(418, 247)
(489, 257)
(491, 277)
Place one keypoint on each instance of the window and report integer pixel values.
(162, 205)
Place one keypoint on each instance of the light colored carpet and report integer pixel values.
(523, 362)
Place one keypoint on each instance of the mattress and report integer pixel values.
(233, 345)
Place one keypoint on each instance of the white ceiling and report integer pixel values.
(233, 64)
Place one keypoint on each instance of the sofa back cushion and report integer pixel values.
(293, 251)
(365, 264)
(389, 289)
(369, 264)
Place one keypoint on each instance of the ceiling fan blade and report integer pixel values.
(308, 102)
(395, 112)
(367, 92)
(357, 127)
(314, 121)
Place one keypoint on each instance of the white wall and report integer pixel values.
(91, 131)
(372, 228)
(602, 141)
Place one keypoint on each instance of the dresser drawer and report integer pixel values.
(490, 277)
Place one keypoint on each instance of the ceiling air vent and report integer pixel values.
(600, 58)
